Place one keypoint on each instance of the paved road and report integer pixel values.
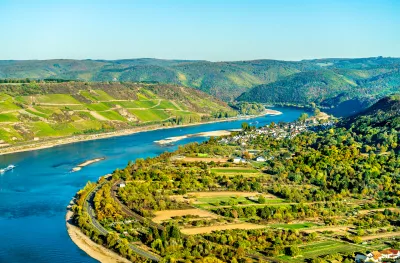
(102, 230)
(129, 212)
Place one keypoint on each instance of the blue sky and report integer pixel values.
(204, 29)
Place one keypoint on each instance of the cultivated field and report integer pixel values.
(209, 229)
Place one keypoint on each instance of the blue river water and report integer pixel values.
(34, 196)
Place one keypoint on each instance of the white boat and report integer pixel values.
(8, 168)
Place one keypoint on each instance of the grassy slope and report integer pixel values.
(29, 111)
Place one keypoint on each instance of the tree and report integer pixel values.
(261, 199)
(245, 126)
(303, 117)
(292, 251)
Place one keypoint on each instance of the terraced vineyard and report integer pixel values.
(35, 111)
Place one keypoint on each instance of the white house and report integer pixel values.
(377, 256)
(121, 185)
(239, 160)
(260, 159)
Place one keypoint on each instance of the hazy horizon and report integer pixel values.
(179, 59)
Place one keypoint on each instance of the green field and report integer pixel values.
(128, 104)
(56, 99)
(150, 114)
(112, 115)
(96, 95)
(97, 106)
(8, 117)
(146, 103)
(7, 105)
(37, 113)
(165, 104)
(321, 248)
(87, 125)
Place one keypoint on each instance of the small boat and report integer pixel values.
(8, 168)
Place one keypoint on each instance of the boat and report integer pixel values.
(8, 168)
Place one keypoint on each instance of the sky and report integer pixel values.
(215, 30)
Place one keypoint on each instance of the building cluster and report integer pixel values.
(387, 255)
(281, 131)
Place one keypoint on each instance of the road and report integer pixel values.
(89, 206)
(129, 212)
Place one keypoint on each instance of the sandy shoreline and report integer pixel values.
(86, 163)
(272, 112)
(201, 134)
(91, 248)
(81, 138)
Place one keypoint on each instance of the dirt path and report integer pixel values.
(98, 116)
(382, 235)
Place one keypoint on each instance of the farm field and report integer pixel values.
(209, 229)
(150, 114)
(316, 249)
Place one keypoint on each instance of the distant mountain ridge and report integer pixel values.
(353, 83)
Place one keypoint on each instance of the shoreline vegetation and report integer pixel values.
(84, 243)
(89, 137)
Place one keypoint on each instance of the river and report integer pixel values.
(34, 196)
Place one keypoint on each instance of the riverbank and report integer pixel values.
(37, 145)
(91, 248)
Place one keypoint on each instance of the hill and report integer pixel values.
(379, 120)
(36, 111)
(225, 80)
(340, 84)
(344, 85)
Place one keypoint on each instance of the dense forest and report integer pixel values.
(318, 195)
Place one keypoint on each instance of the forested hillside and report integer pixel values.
(35, 111)
(352, 83)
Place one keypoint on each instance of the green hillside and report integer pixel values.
(345, 84)
(301, 88)
(383, 117)
(225, 80)
(36, 111)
